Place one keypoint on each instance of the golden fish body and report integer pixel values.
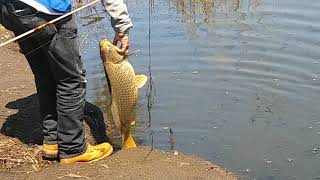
(124, 84)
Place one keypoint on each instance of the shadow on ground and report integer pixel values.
(26, 124)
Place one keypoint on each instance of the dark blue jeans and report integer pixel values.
(53, 55)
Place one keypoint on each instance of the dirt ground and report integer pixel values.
(21, 137)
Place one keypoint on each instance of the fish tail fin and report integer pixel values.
(141, 80)
(128, 141)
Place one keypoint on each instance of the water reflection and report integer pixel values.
(237, 82)
(204, 11)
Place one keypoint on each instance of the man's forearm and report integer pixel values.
(118, 11)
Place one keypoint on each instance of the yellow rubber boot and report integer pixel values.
(129, 143)
(50, 150)
(92, 154)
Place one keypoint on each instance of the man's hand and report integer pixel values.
(124, 42)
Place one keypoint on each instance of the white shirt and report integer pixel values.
(40, 7)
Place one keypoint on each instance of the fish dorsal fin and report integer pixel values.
(141, 80)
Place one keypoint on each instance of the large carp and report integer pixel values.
(123, 87)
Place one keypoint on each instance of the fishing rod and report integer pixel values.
(48, 23)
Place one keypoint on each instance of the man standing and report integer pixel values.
(53, 55)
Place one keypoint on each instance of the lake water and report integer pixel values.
(238, 81)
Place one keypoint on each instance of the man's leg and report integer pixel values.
(22, 18)
(69, 73)
(46, 88)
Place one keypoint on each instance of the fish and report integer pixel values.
(123, 88)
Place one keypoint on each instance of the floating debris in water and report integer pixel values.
(227, 93)
(316, 62)
(247, 170)
(165, 128)
(267, 161)
(315, 150)
(318, 133)
(310, 127)
(195, 72)
(290, 160)
(178, 79)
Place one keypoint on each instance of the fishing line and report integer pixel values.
(151, 89)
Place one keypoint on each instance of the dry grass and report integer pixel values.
(16, 156)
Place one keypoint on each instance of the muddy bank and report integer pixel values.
(20, 156)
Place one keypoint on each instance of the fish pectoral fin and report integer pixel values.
(128, 142)
(141, 80)
(133, 122)
(115, 115)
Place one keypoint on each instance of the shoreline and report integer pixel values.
(20, 157)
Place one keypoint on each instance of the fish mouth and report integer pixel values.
(110, 52)
(104, 43)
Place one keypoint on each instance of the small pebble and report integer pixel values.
(104, 165)
(175, 153)
(183, 163)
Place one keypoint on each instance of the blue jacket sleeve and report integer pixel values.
(61, 6)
